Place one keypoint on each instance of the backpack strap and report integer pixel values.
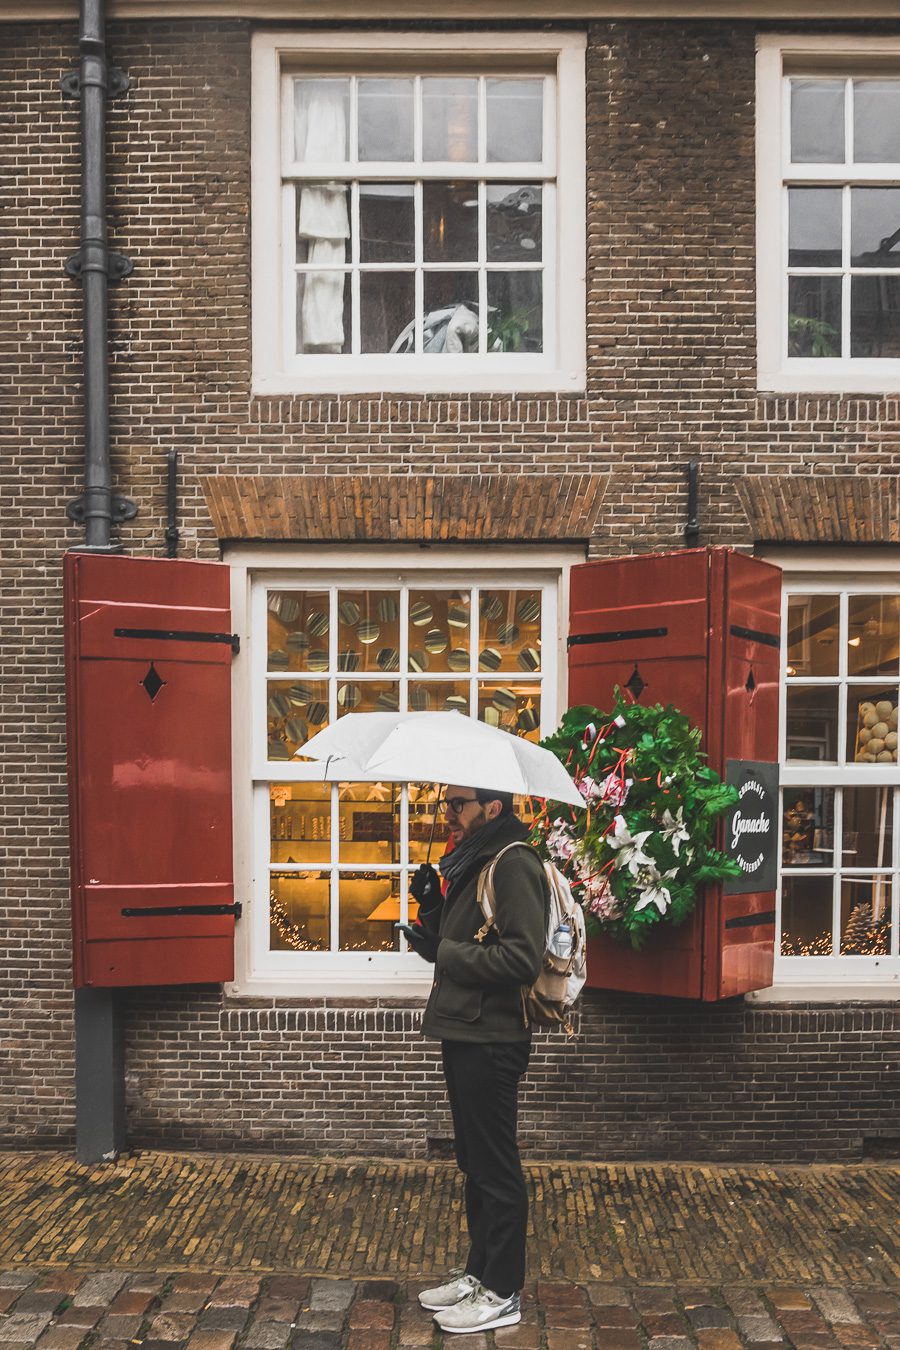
(486, 894)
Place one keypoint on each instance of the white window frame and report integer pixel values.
(562, 365)
(258, 970)
(834, 978)
(779, 57)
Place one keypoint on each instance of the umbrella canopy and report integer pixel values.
(442, 747)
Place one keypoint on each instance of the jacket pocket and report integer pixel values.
(459, 1002)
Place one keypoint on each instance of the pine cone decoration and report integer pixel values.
(862, 936)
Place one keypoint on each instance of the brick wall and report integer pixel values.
(645, 1079)
(671, 370)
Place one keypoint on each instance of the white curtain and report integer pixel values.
(320, 136)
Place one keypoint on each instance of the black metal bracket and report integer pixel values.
(121, 508)
(755, 635)
(231, 640)
(117, 83)
(158, 911)
(94, 257)
(587, 639)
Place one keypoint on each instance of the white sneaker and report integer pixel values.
(480, 1310)
(446, 1295)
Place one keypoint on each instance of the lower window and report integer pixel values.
(840, 872)
(332, 861)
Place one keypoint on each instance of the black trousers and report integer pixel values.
(483, 1085)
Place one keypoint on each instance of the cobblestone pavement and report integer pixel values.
(190, 1252)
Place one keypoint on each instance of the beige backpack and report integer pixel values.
(550, 1000)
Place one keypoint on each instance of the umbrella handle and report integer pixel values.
(437, 806)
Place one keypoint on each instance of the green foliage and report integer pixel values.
(812, 337)
(645, 843)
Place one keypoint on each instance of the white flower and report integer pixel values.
(613, 789)
(630, 847)
(561, 842)
(588, 787)
(674, 829)
(653, 893)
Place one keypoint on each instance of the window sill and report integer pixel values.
(870, 991)
(335, 989)
(845, 383)
(437, 384)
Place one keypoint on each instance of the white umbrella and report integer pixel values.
(440, 747)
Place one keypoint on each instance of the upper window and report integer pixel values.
(829, 222)
(415, 224)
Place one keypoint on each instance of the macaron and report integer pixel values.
(386, 609)
(458, 616)
(317, 660)
(298, 641)
(458, 659)
(491, 607)
(418, 661)
(388, 658)
(349, 695)
(507, 633)
(348, 659)
(349, 612)
(503, 699)
(528, 609)
(317, 623)
(279, 660)
(436, 641)
(529, 658)
(420, 613)
(316, 713)
(489, 659)
(368, 632)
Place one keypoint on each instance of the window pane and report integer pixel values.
(321, 119)
(807, 827)
(450, 212)
(814, 227)
(515, 312)
(323, 224)
(367, 696)
(295, 712)
(876, 121)
(872, 724)
(423, 828)
(323, 312)
(385, 119)
(874, 634)
(867, 834)
(297, 627)
(387, 222)
(514, 222)
(439, 696)
(368, 621)
(300, 822)
(875, 227)
(387, 318)
(449, 119)
(817, 121)
(514, 707)
(515, 120)
(439, 630)
(806, 904)
(812, 723)
(875, 317)
(451, 312)
(509, 631)
(813, 632)
(866, 916)
(814, 316)
(369, 816)
(299, 911)
(369, 908)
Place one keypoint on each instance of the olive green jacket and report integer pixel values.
(476, 994)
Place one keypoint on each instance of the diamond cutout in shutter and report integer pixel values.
(152, 682)
(634, 684)
(750, 686)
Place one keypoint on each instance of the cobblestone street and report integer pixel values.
(164, 1251)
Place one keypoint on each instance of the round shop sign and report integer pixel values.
(751, 829)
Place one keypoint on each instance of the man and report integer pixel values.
(476, 1012)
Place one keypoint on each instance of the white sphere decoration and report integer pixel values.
(864, 735)
(890, 741)
(875, 746)
(880, 729)
(884, 709)
(885, 757)
(870, 718)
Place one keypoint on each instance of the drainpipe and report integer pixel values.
(99, 1013)
(98, 509)
(692, 525)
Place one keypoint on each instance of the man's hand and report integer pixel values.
(422, 942)
(425, 888)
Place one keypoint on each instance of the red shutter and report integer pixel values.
(699, 629)
(148, 674)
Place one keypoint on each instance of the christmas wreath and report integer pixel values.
(643, 845)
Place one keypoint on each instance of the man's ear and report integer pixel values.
(493, 809)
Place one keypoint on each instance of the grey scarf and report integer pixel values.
(460, 860)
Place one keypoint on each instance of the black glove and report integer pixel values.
(422, 942)
(425, 888)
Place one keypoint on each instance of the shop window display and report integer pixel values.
(840, 777)
(340, 855)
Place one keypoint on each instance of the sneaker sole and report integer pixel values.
(509, 1320)
(439, 1307)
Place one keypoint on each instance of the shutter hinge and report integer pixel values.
(231, 640)
(159, 911)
